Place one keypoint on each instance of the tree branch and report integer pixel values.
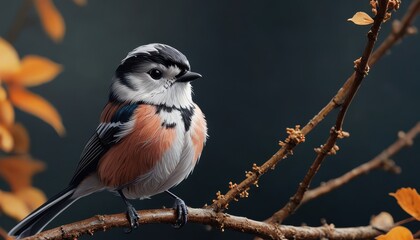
(405, 221)
(207, 217)
(252, 177)
(416, 235)
(361, 70)
(400, 29)
(380, 161)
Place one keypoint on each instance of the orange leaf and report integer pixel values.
(6, 139)
(20, 138)
(409, 201)
(36, 70)
(33, 197)
(7, 114)
(51, 19)
(13, 206)
(18, 171)
(9, 59)
(37, 106)
(361, 18)
(397, 233)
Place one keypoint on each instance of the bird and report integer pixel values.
(150, 137)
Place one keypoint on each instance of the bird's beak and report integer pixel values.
(188, 76)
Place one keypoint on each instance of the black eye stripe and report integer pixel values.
(165, 55)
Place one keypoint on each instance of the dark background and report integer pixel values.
(267, 65)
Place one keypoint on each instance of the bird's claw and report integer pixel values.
(181, 211)
(133, 218)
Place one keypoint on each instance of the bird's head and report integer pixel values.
(156, 74)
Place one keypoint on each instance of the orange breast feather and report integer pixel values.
(138, 152)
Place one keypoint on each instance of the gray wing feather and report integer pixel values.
(106, 135)
(97, 146)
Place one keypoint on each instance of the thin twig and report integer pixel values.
(19, 21)
(380, 161)
(219, 220)
(361, 70)
(400, 29)
(224, 199)
(405, 221)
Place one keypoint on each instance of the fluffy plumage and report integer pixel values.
(149, 139)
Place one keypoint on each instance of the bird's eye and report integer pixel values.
(155, 73)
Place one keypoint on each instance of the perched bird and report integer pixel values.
(150, 137)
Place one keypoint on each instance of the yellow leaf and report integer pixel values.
(20, 138)
(80, 3)
(37, 106)
(51, 19)
(7, 114)
(6, 139)
(361, 18)
(18, 171)
(33, 197)
(13, 206)
(397, 233)
(36, 70)
(9, 59)
(409, 201)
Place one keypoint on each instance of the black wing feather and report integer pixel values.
(103, 139)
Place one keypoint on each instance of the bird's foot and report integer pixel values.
(133, 218)
(181, 211)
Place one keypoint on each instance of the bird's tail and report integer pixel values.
(38, 219)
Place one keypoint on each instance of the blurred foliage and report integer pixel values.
(17, 167)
